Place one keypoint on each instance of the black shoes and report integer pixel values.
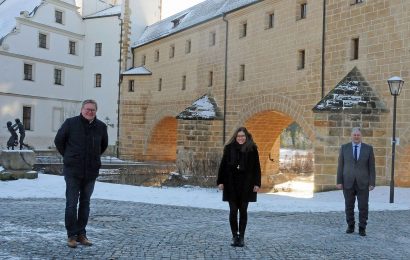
(350, 229)
(362, 231)
(235, 240)
(238, 241)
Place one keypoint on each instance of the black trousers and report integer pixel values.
(234, 207)
(362, 196)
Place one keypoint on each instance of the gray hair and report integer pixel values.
(90, 101)
(356, 129)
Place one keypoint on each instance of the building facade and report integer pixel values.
(268, 64)
(56, 53)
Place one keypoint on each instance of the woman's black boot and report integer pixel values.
(241, 241)
(235, 240)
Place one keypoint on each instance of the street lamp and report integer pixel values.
(395, 85)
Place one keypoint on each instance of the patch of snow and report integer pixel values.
(137, 71)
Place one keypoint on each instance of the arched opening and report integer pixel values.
(162, 143)
(281, 162)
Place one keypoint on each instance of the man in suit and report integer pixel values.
(356, 176)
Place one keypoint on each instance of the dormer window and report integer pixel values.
(177, 20)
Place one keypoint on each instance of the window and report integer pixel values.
(156, 56)
(159, 84)
(171, 51)
(98, 49)
(242, 29)
(143, 60)
(188, 46)
(42, 40)
(27, 117)
(58, 75)
(353, 2)
(242, 72)
(71, 47)
(354, 53)
(98, 80)
(270, 20)
(210, 79)
(57, 118)
(28, 71)
(212, 38)
(131, 86)
(301, 59)
(302, 13)
(58, 16)
(184, 82)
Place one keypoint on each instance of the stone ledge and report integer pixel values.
(15, 175)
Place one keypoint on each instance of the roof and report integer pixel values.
(10, 9)
(204, 108)
(111, 11)
(137, 71)
(352, 92)
(202, 12)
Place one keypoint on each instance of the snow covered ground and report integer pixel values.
(51, 186)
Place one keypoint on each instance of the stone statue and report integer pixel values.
(13, 140)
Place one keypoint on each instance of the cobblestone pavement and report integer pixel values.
(34, 229)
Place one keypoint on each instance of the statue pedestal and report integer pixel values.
(17, 164)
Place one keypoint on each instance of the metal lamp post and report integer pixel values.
(395, 85)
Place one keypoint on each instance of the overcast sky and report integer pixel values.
(170, 7)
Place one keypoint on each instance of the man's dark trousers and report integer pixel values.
(77, 190)
(363, 204)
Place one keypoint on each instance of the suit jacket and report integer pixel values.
(363, 170)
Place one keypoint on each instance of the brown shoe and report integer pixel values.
(84, 240)
(72, 242)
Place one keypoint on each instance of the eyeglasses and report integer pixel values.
(241, 136)
(90, 110)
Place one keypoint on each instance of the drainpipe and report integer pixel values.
(119, 93)
(225, 79)
(323, 49)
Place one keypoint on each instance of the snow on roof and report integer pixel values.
(10, 9)
(192, 16)
(112, 11)
(203, 108)
(137, 71)
(352, 91)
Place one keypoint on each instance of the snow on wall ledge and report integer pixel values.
(204, 108)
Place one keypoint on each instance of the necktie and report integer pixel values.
(355, 153)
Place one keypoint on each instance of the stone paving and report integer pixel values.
(34, 229)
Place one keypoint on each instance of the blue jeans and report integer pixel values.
(77, 190)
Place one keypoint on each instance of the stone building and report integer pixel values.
(266, 64)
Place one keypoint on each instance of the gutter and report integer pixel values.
(323, 49)
(119, 93)
(225, 78)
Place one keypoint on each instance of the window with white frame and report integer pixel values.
(42, 40)
(58, 76)
(301, 10)
(57, 118)
(98, 79)
(98, 49)
(58, 15)
(28, 71)
(27, 117)
(72, 47)
(171, 51)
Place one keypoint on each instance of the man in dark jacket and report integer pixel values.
(81, 140)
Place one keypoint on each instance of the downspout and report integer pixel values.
(119, 94)
(225, 79)
(323, 49)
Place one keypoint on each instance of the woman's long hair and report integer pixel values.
(249, 145)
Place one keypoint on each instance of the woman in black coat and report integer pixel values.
(239, 177)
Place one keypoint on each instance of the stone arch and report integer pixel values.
(279, 104)
(266, 117)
